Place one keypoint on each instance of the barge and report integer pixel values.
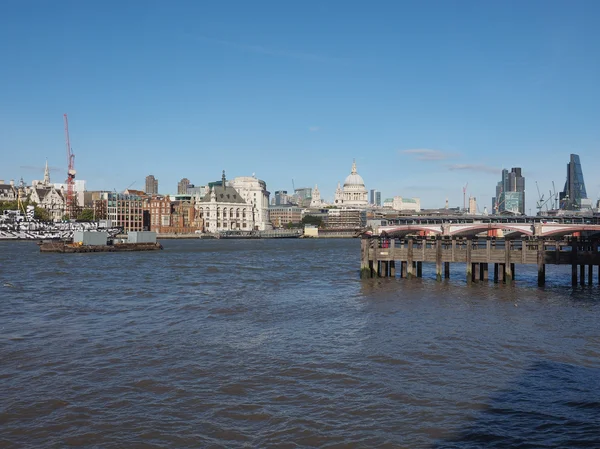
(98, 242)
(65, 247)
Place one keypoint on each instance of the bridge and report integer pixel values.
(508, 230)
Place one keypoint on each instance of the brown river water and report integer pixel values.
(278, 343)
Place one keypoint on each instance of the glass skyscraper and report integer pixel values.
(574, 195)
(510, 193)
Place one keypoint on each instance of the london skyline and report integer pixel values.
(424, 98)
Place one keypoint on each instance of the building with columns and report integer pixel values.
(254, 192)
(223, 208)
(354, 193)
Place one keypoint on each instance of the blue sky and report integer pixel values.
(426, 96)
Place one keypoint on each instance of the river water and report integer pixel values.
(278, 343)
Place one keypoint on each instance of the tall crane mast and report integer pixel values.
(465, 196)
(70, 173)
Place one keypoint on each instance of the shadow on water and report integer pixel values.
(550, 405)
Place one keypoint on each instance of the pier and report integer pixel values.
(405, 248)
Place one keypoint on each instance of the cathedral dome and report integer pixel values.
(355, 192)
(354, 179)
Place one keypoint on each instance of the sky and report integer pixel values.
(426, 96)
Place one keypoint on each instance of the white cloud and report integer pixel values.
(314, 129)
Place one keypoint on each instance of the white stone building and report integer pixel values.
(316, 202)
(354, 193)
(225, 209)
(45, 195)
(254, 191)
(403, 204)
(8, 192)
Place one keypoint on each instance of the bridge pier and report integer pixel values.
(419, 269)
(582, 274)
(392, 268)
(447, 270)
(590, 274)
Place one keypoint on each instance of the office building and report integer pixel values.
(151, 185)
(510, 193)
(346, 218)
(574, 195)
(472, 205)
(377, 198)
(124, 210)
(281, 198)
(182, 186)
(282, 215)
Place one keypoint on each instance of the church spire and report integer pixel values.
(47, 174)
(353, 166)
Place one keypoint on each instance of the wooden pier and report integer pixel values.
(382, 255)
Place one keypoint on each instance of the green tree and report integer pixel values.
(86, 215)
(39, 213)
(312, 220)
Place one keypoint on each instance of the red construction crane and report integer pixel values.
(70, 173)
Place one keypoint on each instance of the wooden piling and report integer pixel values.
(447, 270)
(438, 260)
(476, 270)
(507, 264)
(486, 271)
(582, 274)
(469, 263)
(410, 273)
(574, 251)
(365, 267)
(541, 265)
(419, 269)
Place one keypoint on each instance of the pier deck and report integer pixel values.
(379, 256)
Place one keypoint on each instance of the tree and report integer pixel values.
(312, 220)
(39, 213)
(86, 215)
